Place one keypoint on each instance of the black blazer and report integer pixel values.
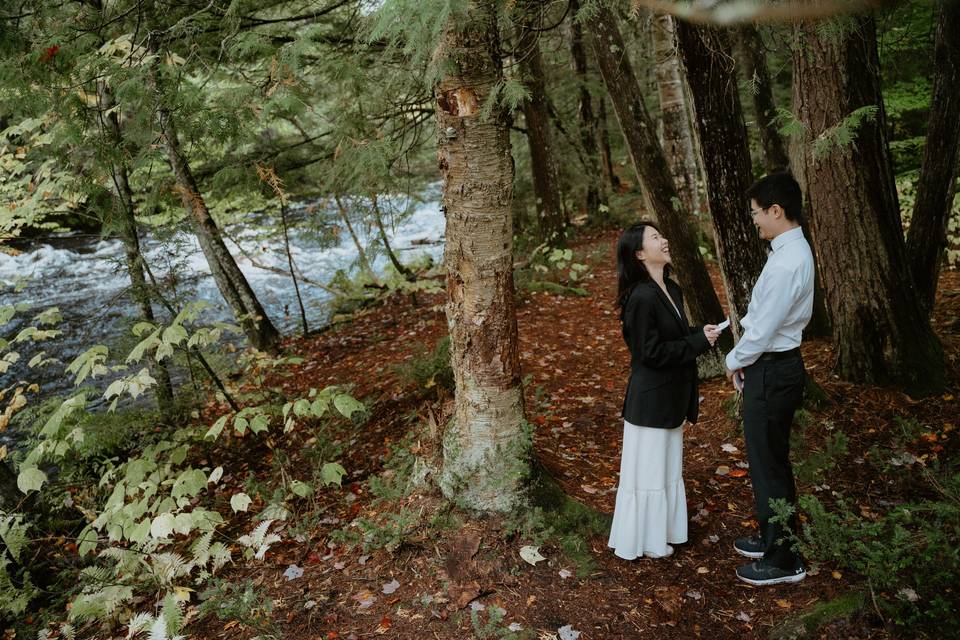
(662, 390)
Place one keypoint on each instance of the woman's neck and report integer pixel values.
(656, 272)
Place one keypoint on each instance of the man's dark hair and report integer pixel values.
(778, 188)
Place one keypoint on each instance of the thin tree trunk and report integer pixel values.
(927, 236)
(652, 168)
(726, 159)
(361, 253)
(130, 237)
(230, 280)
(606, 153)
(485, 448)
(879, 329)
(551, 218)
(677, 138)
(598, 180)
(378, 216)
(755, 68)
(293, 273)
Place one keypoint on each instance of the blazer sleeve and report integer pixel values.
(655, 352)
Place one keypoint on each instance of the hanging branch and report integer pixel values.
(399, 266)
(747, 11)
(268, 175)
(362, 256)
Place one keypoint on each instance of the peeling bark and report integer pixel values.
(485, 445)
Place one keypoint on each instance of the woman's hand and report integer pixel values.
(711, 332)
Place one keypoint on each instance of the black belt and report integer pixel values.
(781, 355)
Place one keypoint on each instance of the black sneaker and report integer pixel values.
(751, 547)
(759, 574)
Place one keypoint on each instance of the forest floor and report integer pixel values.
(430, 571)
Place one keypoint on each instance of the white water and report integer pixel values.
(86, 279)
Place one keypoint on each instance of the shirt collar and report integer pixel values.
(786, 237)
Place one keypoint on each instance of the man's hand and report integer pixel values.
(712, 333)
(737, 378)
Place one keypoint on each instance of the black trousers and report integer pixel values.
(772, 392)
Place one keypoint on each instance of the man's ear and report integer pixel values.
(777, 211)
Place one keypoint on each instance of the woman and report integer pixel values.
(651, 509)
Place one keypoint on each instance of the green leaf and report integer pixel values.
(217, 428)
(302, 489)
(240, 502)
(332, 473)
(162, 526)
(259, 424)
(30, 479)
(347, 405)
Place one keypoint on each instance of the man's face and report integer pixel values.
(763, 219)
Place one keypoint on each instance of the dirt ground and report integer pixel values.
(449, 582)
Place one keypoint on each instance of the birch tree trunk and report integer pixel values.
(879, 329)
(485, 445)
(927, 237)
(677, 138)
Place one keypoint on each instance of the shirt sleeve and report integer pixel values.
(774, 300)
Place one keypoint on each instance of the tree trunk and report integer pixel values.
(879, 330)
(726, 159)
(485, 446)
(598, 180)
(130, 237)
(755, 68)
(606, 154)
(230, 280)
(551, 219)
(651, 166)
(677, 138)
(926, 239)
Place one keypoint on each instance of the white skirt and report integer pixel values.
(651, 509)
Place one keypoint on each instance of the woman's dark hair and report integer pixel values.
(779, 188)
(630, 271)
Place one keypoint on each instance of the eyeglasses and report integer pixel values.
(756, 212)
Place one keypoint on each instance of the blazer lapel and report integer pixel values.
(671, 309)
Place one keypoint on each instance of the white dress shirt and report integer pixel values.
(781, 303)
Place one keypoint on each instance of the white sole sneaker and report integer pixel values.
(753, 555)
(792, 578)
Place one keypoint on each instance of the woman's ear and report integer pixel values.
(639, 255)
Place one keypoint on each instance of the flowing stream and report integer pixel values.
(86, 279)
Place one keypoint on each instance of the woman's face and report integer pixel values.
(655, 249)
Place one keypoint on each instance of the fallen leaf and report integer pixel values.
(515, 626)
(908, 594)
(703, 570)
(292, 573)
(738, 473)
(531, 555)
(729, 448)
(567, 632)
(384, 625)
(391, 586)
(695, 595)
(744, 616)
(722, 470)
(365, 598)
(564, 573)
(836, 575)
(783, 604)
(588, 489)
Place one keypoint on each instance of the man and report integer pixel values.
(767, 368)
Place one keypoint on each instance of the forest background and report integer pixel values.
(218, 465)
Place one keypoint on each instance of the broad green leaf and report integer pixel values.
(332, 473)
(240, 502)
(302, 489)
(347, 405)
(217, 428)
(215, 475)
(162, 526)
(30, 479)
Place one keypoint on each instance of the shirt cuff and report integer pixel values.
(732, 363)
